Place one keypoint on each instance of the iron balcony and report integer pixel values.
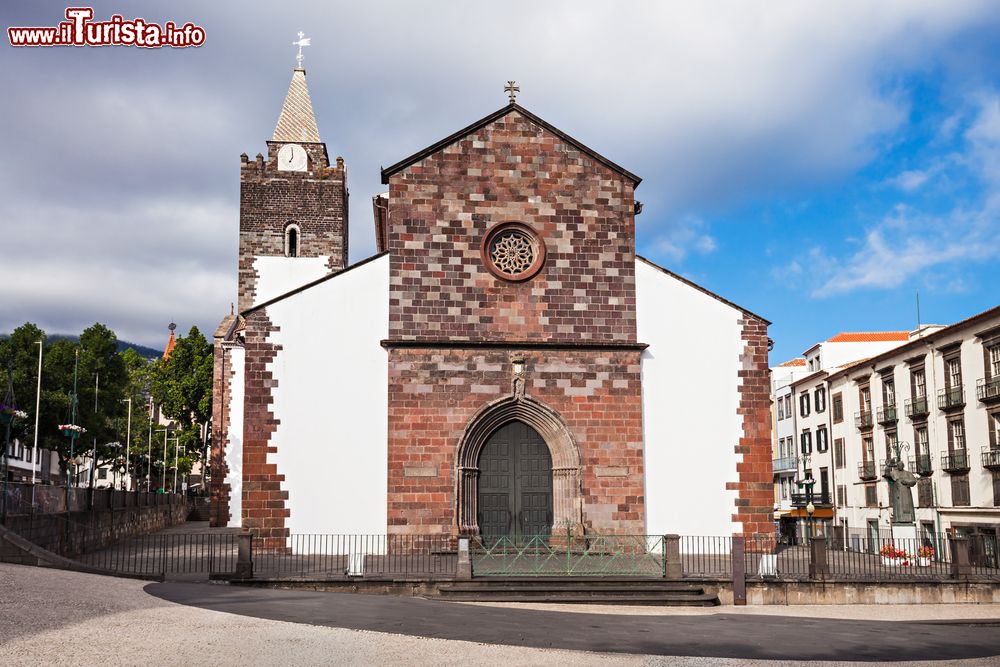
(951, 398)
(916, 407)
(955, 462)
(784, 463)
(863, 419)
(988, 389)
(867, 471)
(819, 499)
(991, 458)
(922, 465)
(887, 414)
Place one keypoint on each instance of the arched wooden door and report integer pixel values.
(515, 483)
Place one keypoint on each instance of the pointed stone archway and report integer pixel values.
(566, 493)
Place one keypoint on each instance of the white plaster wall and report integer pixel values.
(833, 355)
(279, 275)
(234, 447)
(331, 401)
(689, 401)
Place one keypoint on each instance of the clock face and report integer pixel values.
(292, 157)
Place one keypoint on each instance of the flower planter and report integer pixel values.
(924, 562)
(69, 433)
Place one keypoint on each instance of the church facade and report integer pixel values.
(506, 364)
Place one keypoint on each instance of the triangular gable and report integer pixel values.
(387, 172)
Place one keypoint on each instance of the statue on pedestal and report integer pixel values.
(900, 497)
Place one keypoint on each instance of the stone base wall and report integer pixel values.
(81, 532)
(843, 592)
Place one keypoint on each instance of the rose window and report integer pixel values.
(513, 251)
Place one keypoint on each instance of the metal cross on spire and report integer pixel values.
(303, 41)
(512, 90)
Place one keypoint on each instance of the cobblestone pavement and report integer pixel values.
(56, 617)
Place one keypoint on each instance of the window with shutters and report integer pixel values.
(871, 495)
(993, 356)
(953, 373)
(888, 392)
(960, 490)
(806, 441)
(868, 449)
(804, 404)
(841, 495)
(996, 489)
(838, 408)
(819, 399)
(956, 435)
(781, 409)
(865, 396)
(918, 383)
(925, 492)
(822, 444)
(838, 453)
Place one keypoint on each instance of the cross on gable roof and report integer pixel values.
(387, 172)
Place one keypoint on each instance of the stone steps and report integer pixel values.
(617, 591)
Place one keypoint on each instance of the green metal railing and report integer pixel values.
(568, 555)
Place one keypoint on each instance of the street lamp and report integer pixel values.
(128, 443)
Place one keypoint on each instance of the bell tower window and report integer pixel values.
(292, 241)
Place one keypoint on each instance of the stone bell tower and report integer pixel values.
(293, 206)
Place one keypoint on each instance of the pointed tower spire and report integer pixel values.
(297, 123)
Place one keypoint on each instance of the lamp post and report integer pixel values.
(163, 474)
(38, 404)
(810, 508)
(128, 443)
(149, 448)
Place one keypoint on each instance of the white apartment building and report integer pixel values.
(938, 396)
(801, 441)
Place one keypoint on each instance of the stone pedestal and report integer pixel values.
(904, 531)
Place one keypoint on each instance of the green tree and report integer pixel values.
(182, 386)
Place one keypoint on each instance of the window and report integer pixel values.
(102, 473)
(788, 406)
(953, 373)
(956, 435)
(819, 398)
(960, 490)
(918, 383)
(513, 251)
(868, 449)
(888, 391)
(822, 444)
(838, 408)
(784, 488)
(865, 396)
(804, 404)
(824, 484)
(781, 409)
(292, 240)
(993, 357)
(871, 495)
(996, 489)
(925, 492)
(841, 496)
(890, 444)
(838, 453)
(993, 424)
(807, 445)
(920, 440)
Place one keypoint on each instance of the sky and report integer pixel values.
(817, 163)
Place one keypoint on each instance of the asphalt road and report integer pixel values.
(720, 635)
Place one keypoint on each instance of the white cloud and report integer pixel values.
(907, 242)
(685, 235)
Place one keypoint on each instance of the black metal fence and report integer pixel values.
(335, 556)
